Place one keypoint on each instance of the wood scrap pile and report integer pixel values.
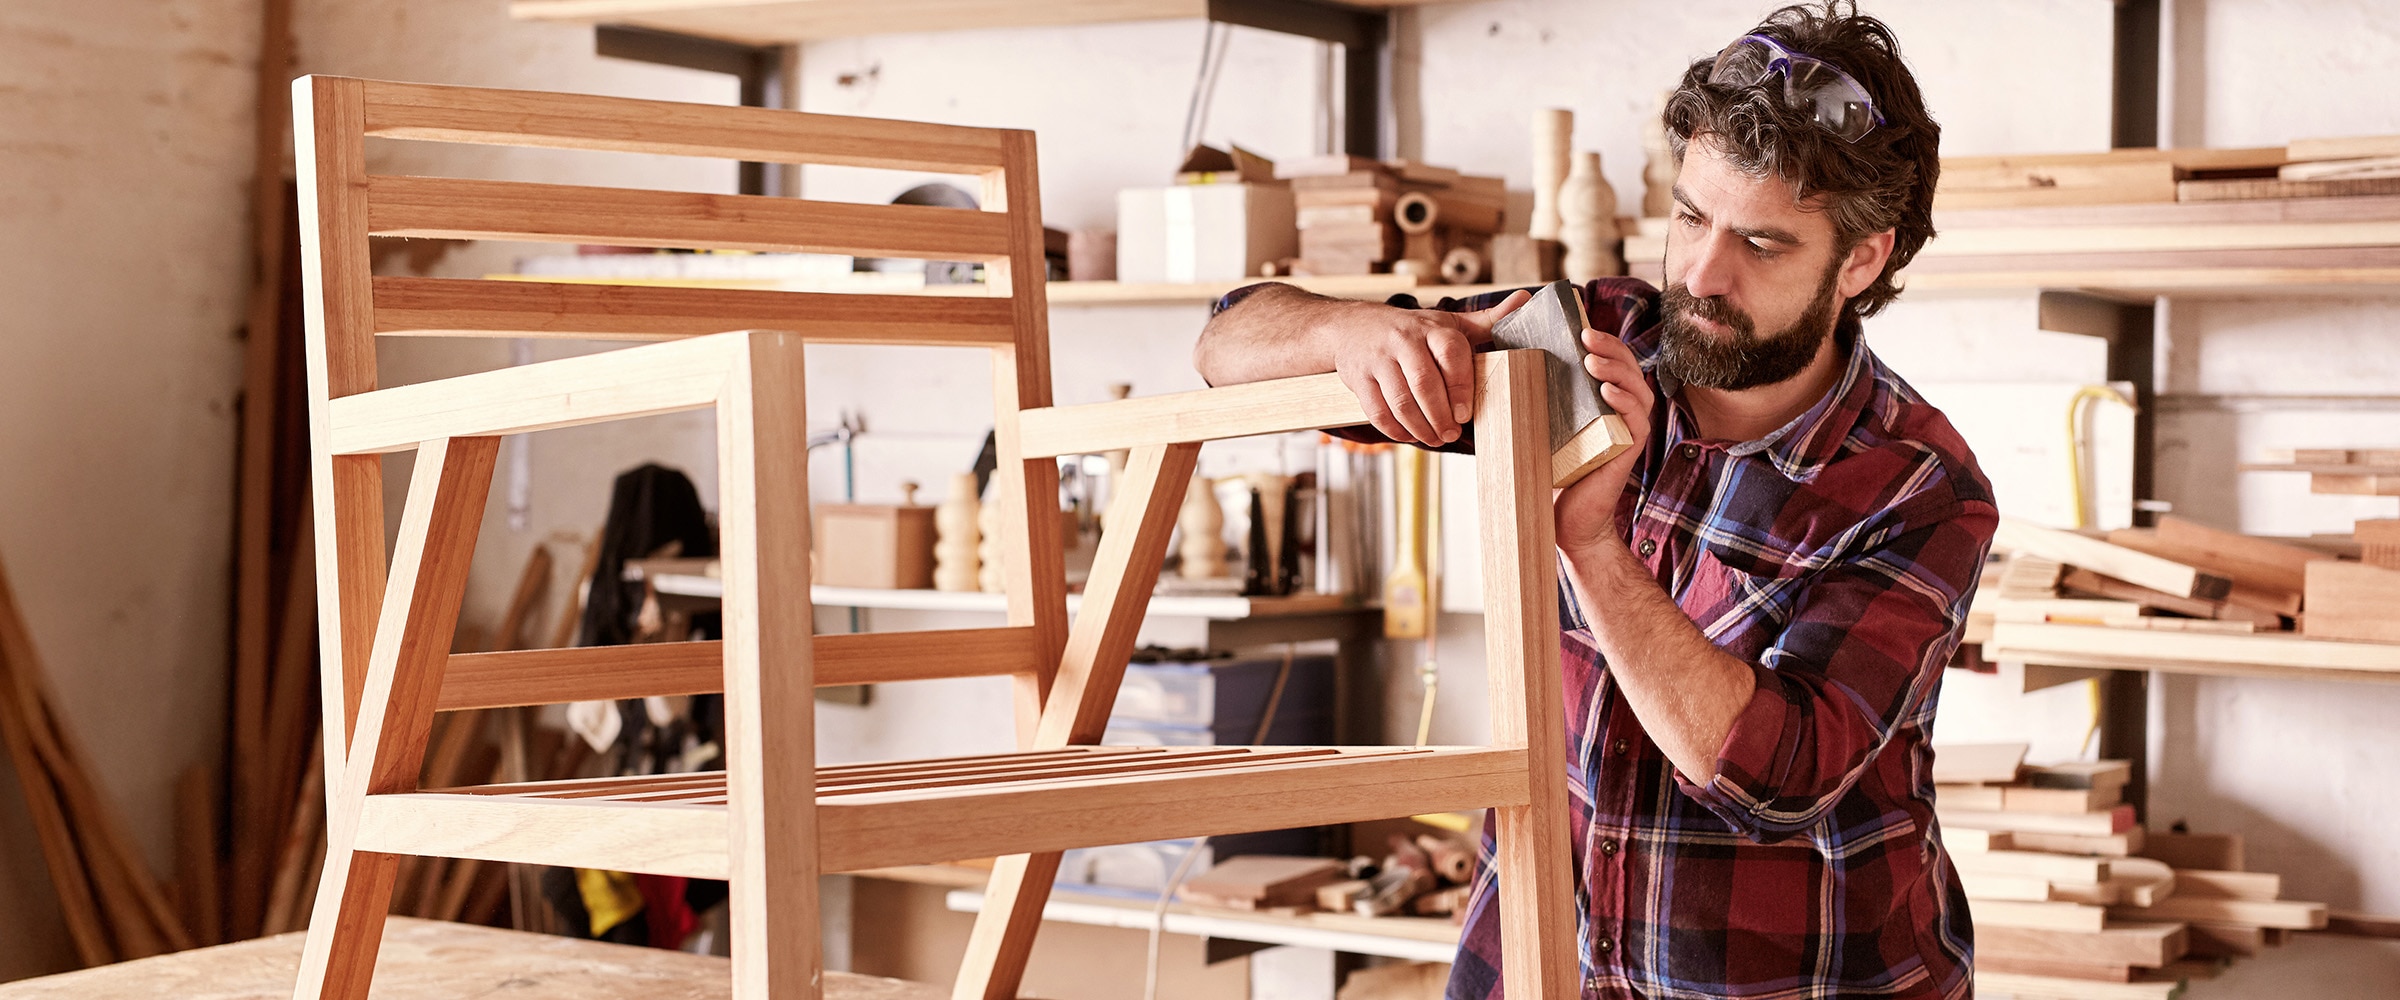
(111, 902)
(1358, 216)
(2072, 899)
(1421, 875)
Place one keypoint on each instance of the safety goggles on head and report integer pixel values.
(1810, 84)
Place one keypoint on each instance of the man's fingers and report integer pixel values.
(1457, 363)
(1426, 383)
(1402, 400)
(1478, 324)
(1370, 401)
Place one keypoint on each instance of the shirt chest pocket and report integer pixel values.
(1741, 591)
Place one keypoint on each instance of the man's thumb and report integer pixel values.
(1480, 322)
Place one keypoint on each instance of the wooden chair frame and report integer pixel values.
(773, 820)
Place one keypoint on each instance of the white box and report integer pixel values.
(1203, 232)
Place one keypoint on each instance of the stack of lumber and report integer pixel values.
(2373, 472)
(2120, 913)
(1423, 875)
(1358, 216)
(2118, 176)
(2307, 168)
(111, 902)
(2209, 601)
(2322, 168)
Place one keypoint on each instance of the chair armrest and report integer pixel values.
(1275, 406)
(613, 385)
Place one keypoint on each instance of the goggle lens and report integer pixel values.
(1833, 98)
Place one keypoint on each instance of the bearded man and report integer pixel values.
(1759, 596)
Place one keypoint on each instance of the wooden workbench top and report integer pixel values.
(434, 960)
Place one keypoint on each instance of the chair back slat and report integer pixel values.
(434, 113)
(453, 307)
(550, 676)
(459, 208)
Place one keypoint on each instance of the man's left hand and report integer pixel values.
(1587, 511)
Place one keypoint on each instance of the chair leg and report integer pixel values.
(1003, 937)
(1520, 595)
(337, 959)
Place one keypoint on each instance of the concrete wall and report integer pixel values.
(124, 259)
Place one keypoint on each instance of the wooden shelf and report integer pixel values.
(777, 22)
(1209, 606)
(2328, 246)
(2270, 654)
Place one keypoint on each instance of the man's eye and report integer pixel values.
(1765, 251)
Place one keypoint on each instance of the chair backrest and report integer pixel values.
(343, 206)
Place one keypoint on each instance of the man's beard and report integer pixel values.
(1740, 359)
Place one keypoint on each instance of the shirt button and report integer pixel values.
(1607, 946)
(1647, 547)
(1608, 847)
(1690, 451)
(1619, 747)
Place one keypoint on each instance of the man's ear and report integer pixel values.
(1865, 263)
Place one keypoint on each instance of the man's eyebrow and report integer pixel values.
(1768, 233)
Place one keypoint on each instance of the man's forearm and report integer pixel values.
(1685, 690)
(1274, 332)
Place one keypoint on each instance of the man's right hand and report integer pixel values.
(1413, 369)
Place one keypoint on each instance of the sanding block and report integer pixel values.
(1584, 432)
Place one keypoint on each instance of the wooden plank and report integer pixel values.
(1981, 885)
(2081, 774)
(638, 381)
(2253, 157)
(2109, 560)
(2226, 940)
(2027, 966)
(472, 209)
(2348, 148)
(551, 676)
(2121, 942)
(2115, 845)
(2287, 914)
(2087, 582)
(2201, 882)
(2042, 916)
(769, 671)
(1520, 594)
(2060, 801)
(2238, 189)
(69, 878)
(2252, 585)
(438, 527)
(1969, 839)
(1275, 406)
(2031, 864)
(462, 307)
(2296, 655)
(2094, 824)
(2022, 987)
(577, 121)
(2007, 182)
(1972, 763)
(2273, 563)
(2352, 601)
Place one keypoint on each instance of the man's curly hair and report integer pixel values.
(1883, 181)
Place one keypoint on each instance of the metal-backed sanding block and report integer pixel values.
(1584, 432)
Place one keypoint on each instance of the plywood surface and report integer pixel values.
(432, 960)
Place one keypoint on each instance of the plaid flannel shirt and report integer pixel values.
(1836, 556)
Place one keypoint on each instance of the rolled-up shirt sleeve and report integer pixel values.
(1863, 650)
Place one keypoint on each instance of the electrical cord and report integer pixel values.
(1183, 869)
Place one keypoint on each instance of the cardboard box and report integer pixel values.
(883, 546)
(1203, 232)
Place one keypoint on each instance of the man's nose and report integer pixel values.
(1707, 269)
